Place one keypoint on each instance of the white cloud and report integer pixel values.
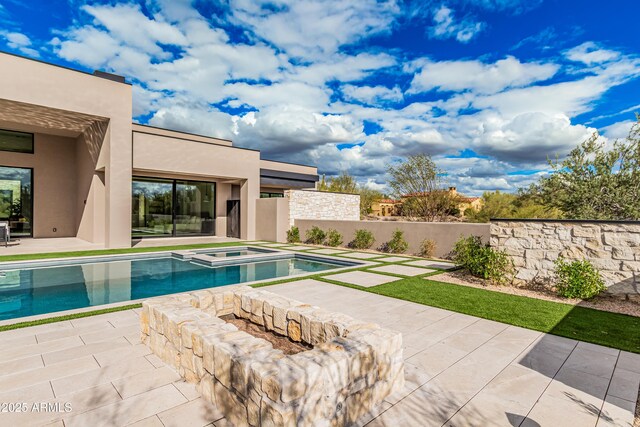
(618, 130)
(372, 95)
(20, 42)
(480, 77)
(309, 88)
(312, 29)
(591, 53)
(445, 26)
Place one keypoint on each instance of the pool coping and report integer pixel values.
(355, 264)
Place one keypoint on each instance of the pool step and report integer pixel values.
(184, 255)
(211, 261)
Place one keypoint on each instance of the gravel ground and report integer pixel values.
(613, 305)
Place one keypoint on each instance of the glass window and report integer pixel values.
(166, 207)
(195, 207)
(152, 207)
(16, 203)
(265, 195)
(19, 142)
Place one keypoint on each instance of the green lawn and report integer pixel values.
(580, 323)
(27, 257)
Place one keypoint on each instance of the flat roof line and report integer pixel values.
(288, 163)
(59, 66)
(186, 133)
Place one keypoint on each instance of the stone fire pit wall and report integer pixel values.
(351, 368)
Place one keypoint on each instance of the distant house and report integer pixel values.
(464, 202)
(385, 207)
(390, 207)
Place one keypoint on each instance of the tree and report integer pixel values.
(368, 197)
(345, 183)
(497, 204)
(594, 182)
(418, 182)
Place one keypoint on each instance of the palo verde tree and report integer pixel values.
(418, 182)
(596, 182)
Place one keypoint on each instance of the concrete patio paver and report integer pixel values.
(403, 270)
(460, 371)
(327, 251)
(394, 259)
(362, 255)
(362, 278)
(441, 265)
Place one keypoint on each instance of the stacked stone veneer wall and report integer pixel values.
(613, 248)
(308, 204)
(352, 366)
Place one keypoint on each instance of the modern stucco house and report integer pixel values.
(72, 164)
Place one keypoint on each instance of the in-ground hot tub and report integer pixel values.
(335, 370)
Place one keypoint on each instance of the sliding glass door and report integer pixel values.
(152, 207)
(166, 207)
(16, 200)
(194, 207)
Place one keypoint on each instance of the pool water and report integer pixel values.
(38, 290)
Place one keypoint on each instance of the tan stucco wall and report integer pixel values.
(179, 135)
(288, 167)
(54, 176)
(44, 85)
(445, 234)
(154, 154)
(272, 219)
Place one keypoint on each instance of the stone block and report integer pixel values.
(622, 253)
(293, 331)
(277, 414)
(201, 299)
(231, 405)
(622, 238)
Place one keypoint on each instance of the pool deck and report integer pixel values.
(460, 370)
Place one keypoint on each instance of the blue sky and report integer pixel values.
(489, 88)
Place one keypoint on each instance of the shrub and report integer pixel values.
(293, 235)
(481, 260)
(397, 244)
(363, 239)
(315, 235)
(333, 238)
(577, 279)
(427, 248)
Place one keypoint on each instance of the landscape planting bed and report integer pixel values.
(337, 368)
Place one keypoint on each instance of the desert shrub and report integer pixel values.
(315, 235)
(333, 238)
(427, 248)
(363, 239)
(293, 235)
(397, 244)
(577, 279)
(481, 260)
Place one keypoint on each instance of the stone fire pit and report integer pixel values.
(336, 369)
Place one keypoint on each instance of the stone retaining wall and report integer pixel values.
(612, 247)
(352, 366)
(309, 204)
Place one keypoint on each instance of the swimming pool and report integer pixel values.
(32, 288)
